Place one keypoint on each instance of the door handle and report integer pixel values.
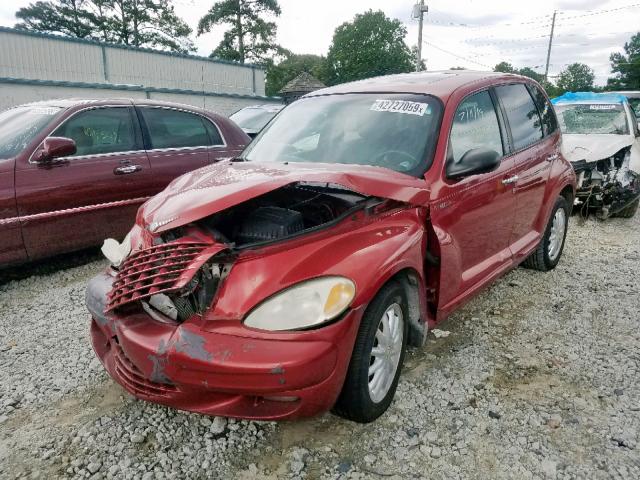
(126, 169)
(553, 157)
(510, 180)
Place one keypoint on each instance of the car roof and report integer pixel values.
(84, 102)
(628, 93)
(589, 98)
(440, 84)
(267, 106)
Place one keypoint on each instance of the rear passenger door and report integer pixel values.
(533, 146)
(177, 141)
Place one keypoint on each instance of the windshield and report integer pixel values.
(395, 131)
(253, 118)
(18, 126)
(596, 118)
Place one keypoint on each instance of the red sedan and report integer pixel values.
(290, 280)
(73, 172)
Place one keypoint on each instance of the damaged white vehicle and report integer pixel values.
(601, 140)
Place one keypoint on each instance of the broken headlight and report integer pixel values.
(307, 304)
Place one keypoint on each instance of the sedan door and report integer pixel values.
(177, 141)
(474, 216)
(77, 201)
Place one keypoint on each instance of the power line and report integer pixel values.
(444, 23)
(600, 12)
(456, 55)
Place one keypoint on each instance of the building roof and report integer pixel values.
(303, 83)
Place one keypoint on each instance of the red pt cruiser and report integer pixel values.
(290, 280)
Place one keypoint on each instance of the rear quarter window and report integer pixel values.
(549, 121)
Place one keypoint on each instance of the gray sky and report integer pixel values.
(468, 33)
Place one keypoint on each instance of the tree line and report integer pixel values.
(371, 44)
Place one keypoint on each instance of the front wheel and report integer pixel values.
(377, 357)
(548, 252)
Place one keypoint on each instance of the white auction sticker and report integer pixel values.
(401, 106)
(602, 107)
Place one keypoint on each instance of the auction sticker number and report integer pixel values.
(401, 106)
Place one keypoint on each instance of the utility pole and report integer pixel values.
(553, 26)
(419, 10)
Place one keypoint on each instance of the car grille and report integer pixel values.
(153, 270)
(134, 379)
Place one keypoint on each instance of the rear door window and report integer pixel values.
(522, 114)
(100, 130)
(549, 121)
(475, 126)
(168, 128)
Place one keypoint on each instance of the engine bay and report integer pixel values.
(282, 213)
(606, 186)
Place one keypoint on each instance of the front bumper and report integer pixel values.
(229, 371)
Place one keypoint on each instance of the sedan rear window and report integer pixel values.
(18, 126)
(394, 131)
(599, 118)
(169, 128)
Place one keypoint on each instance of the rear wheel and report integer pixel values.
(377, 357)
(630, 210)
(547, 255)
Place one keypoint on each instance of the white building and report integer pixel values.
(36, 66)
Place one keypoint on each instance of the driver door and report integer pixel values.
(473, 216)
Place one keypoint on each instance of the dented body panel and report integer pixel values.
(443, 240)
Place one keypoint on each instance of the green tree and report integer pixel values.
(278, 75)
(577, 77)
(504, 67)
(68, 17)
(139, 23)
(154, 23)
(251, 37)
(414, 55)
(531, 73)
(371, 45)
(626, 68)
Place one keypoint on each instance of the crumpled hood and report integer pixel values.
(593, 147)
(217, 187)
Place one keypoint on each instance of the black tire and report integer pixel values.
(630, 210)
(355, 402)
(539, 258)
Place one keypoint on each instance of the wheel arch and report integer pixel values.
(411, 282)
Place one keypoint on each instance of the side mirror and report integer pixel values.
(55, 147)
(474, 162)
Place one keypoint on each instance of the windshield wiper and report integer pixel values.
(239, 159)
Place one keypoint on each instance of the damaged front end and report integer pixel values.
(178, 275)
(606, 186)
(248, 304)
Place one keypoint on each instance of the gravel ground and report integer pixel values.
(535, 378)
